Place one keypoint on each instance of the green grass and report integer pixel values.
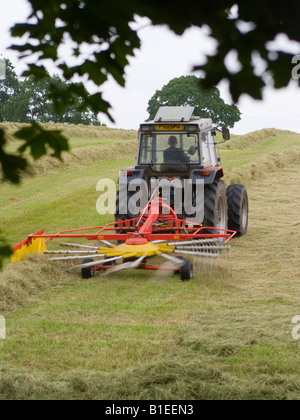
(142, 335)
(65, 199)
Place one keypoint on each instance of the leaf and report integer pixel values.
(108, 26)
(11, 165)
(39, 72)
(38, 140)
(5, 251)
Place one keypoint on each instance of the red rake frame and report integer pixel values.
(151, 226)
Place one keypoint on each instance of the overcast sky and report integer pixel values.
(162, 57)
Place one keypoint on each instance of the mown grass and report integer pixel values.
(139, 335)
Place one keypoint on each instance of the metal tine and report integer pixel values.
(198, 254)
(197, 241)
(71, 252)
(77, 257)
(92, 264)
(78, 246)
(107, 244)
(175, 260)
(126, 266)
(200, 247)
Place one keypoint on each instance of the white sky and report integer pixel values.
(164, 56)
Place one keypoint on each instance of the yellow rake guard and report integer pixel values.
(136, 248)
(29, 247)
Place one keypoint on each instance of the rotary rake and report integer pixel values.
(131, 244)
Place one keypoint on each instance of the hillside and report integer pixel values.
(141, 335)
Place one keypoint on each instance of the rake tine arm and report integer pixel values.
(126, 266)
(92, 264)
(78, 246)
(78, 257)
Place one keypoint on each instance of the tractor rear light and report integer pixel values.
(205, 173)
(128, 173)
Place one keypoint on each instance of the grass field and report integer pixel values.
(137, 335)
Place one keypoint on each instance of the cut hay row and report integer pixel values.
(21, 283)
(74, 131)
(252, 139)
(268, 163)
(82, 156)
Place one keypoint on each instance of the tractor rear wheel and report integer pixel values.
(238, 208)
(215, 206)
(123, 217)
(121, 198)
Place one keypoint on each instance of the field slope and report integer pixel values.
(227, 334)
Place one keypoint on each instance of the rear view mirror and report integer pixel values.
(192, 150)
(226, 134)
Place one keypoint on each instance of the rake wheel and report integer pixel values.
(187, 271)
(87, 272)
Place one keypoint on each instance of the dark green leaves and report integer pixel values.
(5, 251)
(105, 29)
(39, 141)
(12, 165)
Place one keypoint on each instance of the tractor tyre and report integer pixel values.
(215, 206)
(187, 271)
(121, 199)
(87, 272)
(123, 217)
(238, 208)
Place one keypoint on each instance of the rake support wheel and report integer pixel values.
(87, 272)
(187, 271)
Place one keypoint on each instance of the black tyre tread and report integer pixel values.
(87, 273)
(235, 194)
(211, 195)
(119, 216)
(187, 271)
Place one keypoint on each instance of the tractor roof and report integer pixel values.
(180, 114)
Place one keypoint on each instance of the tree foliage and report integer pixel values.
(185, 91)
(31, 100)
(9, 87)
(105, 27)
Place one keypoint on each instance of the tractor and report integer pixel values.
(172, 206)
(176, 147)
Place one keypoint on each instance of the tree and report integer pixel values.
(30, 100)
(9, 87)
(185, 91)
(40, 107)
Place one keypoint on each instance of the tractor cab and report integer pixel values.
(177, 142)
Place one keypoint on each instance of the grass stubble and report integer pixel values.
(224, 335)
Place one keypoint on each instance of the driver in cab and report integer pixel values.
(175, 154)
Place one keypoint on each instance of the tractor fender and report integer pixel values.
(208, 175)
